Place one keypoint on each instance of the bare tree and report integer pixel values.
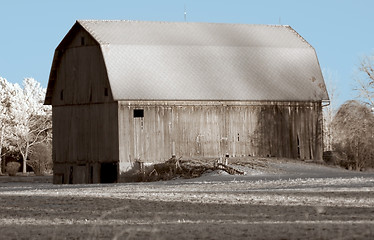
(353, 129)
(329, 110)
(365, 81)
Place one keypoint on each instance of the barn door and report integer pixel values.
(138, 133)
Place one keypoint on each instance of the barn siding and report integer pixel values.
(84, 135)
(85, 121)
(214, 129)
(81, 75)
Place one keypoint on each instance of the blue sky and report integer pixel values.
(340, 31)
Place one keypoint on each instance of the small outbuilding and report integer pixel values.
(123, 91)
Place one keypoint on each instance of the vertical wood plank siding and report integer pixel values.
(214, 129)
(81, 75)
(85, 133)
(85, 119)
(84, 136)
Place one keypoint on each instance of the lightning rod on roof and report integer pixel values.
(185, 13)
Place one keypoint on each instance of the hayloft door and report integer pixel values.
(138, 133)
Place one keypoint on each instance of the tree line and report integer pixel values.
(25, 125)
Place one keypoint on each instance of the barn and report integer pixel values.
(123, 91)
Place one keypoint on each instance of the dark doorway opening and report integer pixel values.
(108, 173)
(71, 175)
(91, 174)
(298, 146)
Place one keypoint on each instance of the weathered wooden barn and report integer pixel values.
(128, 90)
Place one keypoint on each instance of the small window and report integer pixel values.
(82, 41)
(62, 95)
(138, 113)
(106, 92)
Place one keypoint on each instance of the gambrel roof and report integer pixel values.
(206, 61)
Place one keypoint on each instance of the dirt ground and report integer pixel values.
(299, 201)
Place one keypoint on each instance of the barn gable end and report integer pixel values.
(79, 66)
(84, 113)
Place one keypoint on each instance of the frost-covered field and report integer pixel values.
(314, 202)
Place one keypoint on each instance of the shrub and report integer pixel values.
(41, 158)
(12, 168)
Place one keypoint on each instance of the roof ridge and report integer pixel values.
(179, 22)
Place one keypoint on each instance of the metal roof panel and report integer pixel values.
(213, 73)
